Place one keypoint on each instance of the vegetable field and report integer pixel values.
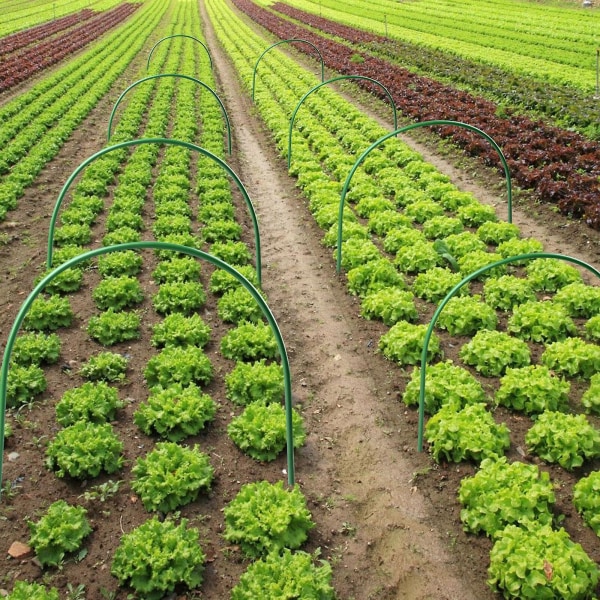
(269, 349)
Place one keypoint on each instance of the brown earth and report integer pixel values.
(387, 517)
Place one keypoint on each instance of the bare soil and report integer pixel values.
(386, 516)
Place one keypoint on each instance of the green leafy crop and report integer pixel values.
(233, 253)
(85, 449)
(356, 251)
(579, 299)
(105, 366)
(95, 402)
(373, 276)
(265, 517)
(178, 330)
(497, 232)
(475, 214)
(49, 314)
(590, 399)
(175, 412)
(185, 297)
(468, 434)
(551, 274)
(572, 358)
(390, 305)
(491, 352)
(417, 258)
(61, 530)
(157, 556)
(112, 327)
(117, 293)
(260, 431)
(517, 246)
(254, 382)
(586, 498)
(238, 305)
(441, 227)
(541, 322)
(249, 342)
(171, 476)
(503, 493)
(469, 263)
(174, 364)
(24, 384)
(400, 237)
(404, 342)
(36, 349)
(561, 438)
(466, 315)
(127, 263)
(507, 291)
(435, 283)
(177, 268)
(540, 563)
(24, 590)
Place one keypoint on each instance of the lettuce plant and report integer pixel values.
(112, 327)
(400, 237)
(539, 562)
(423, 210)
(118, 293)
(507, 291)
(24, 590)
(461, 244)
(503, 493)
(105, 366)
(95, 402)
(249, 342)
(516, 246)
(221, 281)
(467, 434)
(390, 305)
(24, 384)
(475, 214)
(264, 517)
(177, 268)
(590, 399)
(76, 233)
(382, 222)
(492, 352)
(403, 343)
(469, 263)
(586, 499)
(441, 227)
(533, 389)
(36, 349)
(178, 330)
(175, 412)
(551, 274)
(157, 556)
(126, 263)
(122, 235)
(260, 431)
(541, 322)
(254, 382)
(174, 364)
(238, 305)
(496, 232)
(592, 329)
(48, 314)
(466, 315)
(373, 276)
(179, 296)
(67, 282)
(285, 575)
(221, 230)
(435, 283)
(233, 253)
(446, 384)
(60, 530)
(572, 358)
(579, 299)
(85, 449)
(356, 251)
(561, 438)
(171, 476)
(417, 257)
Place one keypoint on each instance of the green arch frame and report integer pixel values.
(452, 293)
(191, 37)
(197, 81)
(374, 145)
(172, 142)
(159, 246)
(320, 85)
(278, 44)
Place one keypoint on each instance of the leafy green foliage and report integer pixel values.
(404, 342)
(441, 227)
(73, 234)
(417, 258)
(402, 236)
(222, 230)
(435, 283)
(49, 314)
(469, 263)
(117, 293)
(24, 384)
(538, 562)
(177, 268)
(507, 291)
(373, 276)
(466, 315)
(382, 222)
(179, 296)
(249, 342)
(579, 299)
(178, 330)
(461, 244)
(424, 210)
(126, 263)
(174, 364)
(171, 476)
(265, 517)
(260, 431)
(95, 402)
(157, 556)
(446, 384)
(468, 434)
(357, 251)
(503, 493)
(533, 389)
(475, 214)
(36, 349)
(24, 590)
(591, 397)
(573, 358)
(541, 322)
(61, 530)
(592, 329)
(561, 438)
(233, 253)
(491, 352)
(495, 233)
(517, 246)
(85, 449)
(238, 305)
(122, 235)
(66, 282)
(254, 382)
(175, 412)
(586, 499)
(105, 366)
(112, 327)
(551, 274)
(286, 575)
(221, 281)
(390, 305)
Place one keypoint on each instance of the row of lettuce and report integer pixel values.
(176, 474)
(409, 236)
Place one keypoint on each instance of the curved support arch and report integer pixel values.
(286, 42)
(136, 83)
(191, 37)
(159, 246)
(402, 130)
(314, 89)
(187, 145)
(452, 293)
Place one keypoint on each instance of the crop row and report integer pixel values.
(36, 124)
(561, 166)
(401, 215)
(19, 67)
